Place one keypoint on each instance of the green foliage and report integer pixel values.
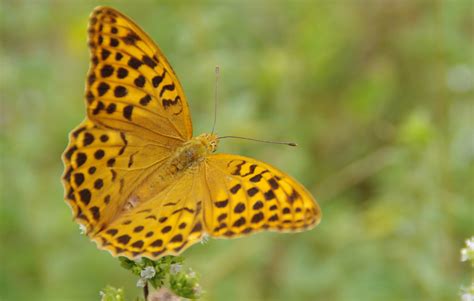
(111, 293)
(377, 94)
(168, 271)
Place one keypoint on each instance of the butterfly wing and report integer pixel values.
(131, 86)
(102, 168)
(165, 225)
(137, 116)
(246, 195)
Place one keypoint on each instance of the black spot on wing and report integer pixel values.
(177, 238)
(127, 112)
(105, 54)
(134, 63)
(88, 139)
(149, 61)
(85, 196)
(258, 205)
(99, 154)
(145, 100)
(156, 81)
(111, 108)
(112, 232)
(239, 208)
(102, 88)
(169, 102)
(197, 227)
(122, 73)
(95, 212)
(106, 71)
(165, 88)
(251, 170)
(76, 133)
(131, 38)
(157, 243)
(269, 195)
(235, 188)
(252, 191)
(221, 204)
(124, 239)
(79, 179)
(273, 183)
(139, 81)
(257, 217)
(114, 42)
(120, 91)
(241, 221)
(138, 244)
(81, 158)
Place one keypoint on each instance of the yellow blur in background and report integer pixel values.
(378, 95)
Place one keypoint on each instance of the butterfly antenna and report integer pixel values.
(259, 140)
(215, 99)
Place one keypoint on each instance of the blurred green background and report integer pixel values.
(378, 95)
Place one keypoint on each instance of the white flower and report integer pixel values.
(82, 229)
(141, 282)
(204, 238)
(468, 253)
(197, 290)
(470, 243)
(175, 268)
(191, 273)
(148, 273)
(464, 255)
(467, 297)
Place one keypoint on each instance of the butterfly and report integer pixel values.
(136, 179)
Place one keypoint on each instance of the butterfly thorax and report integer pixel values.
(191, 153)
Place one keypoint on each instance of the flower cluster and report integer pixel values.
(168, 272)
(467, 254)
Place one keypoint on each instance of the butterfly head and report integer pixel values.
(209, 141)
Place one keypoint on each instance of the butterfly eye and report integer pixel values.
(214, 146)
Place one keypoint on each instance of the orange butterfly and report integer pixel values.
(138, 181)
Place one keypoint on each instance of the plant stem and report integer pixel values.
(145, 291)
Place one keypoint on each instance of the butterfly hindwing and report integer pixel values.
(166, 224)
(246, 195)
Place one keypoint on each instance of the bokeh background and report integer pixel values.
(378, 95)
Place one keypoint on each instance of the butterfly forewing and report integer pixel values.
(167, 224)
(130, 85)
